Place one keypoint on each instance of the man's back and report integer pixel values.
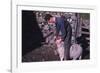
(63, 26)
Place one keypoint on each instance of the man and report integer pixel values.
(64, 29)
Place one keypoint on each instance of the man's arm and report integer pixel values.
(60, 27)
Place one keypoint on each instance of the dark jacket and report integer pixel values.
(65, 28)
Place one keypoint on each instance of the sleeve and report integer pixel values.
(57, 28)
(60, 27)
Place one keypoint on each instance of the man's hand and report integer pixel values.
(58, 40)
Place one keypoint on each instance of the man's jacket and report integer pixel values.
(63, 26)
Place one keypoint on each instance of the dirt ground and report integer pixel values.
(43, 53)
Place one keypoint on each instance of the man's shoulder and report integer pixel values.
(59, 20)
